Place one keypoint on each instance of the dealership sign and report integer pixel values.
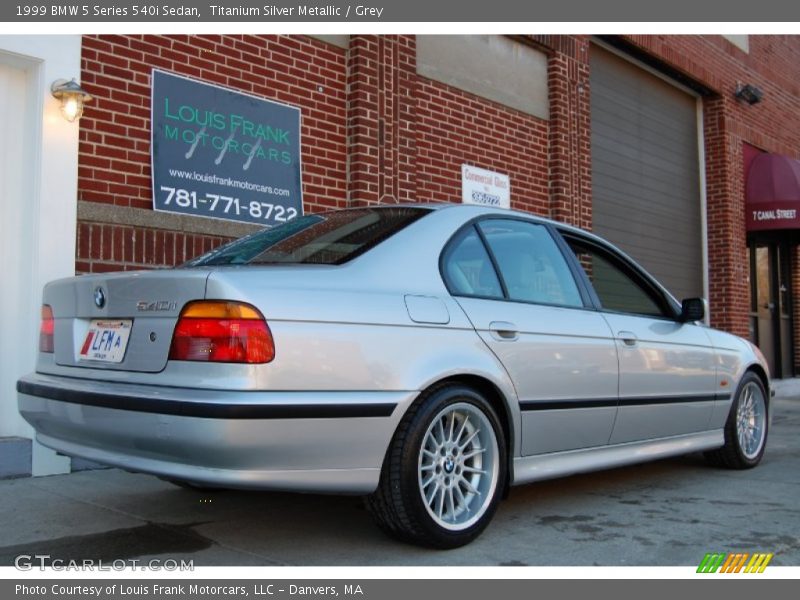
(487, 188)
(223, 154)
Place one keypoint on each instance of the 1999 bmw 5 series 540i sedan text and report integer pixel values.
(427, 357)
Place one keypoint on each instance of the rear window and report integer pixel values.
(326, 239)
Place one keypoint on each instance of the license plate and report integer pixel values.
(106, 341)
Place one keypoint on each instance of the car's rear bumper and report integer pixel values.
(304, 441)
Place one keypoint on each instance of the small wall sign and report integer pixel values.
(486, 188)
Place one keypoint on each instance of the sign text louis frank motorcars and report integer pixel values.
(487, 188)
(224, 154)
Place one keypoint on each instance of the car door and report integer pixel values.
(667, 373)
(525, 301)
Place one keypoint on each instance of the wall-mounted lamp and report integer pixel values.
(749, 93)
(72, 98)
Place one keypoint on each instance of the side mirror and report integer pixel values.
(693, 309)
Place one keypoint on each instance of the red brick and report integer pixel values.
(430, 129)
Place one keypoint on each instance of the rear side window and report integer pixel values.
(468, 269)
(531, 265)
(327, 238)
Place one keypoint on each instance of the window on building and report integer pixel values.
(495, 67)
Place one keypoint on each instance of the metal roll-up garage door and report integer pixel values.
(646, 171)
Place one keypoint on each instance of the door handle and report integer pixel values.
(628, 338)
(503, 331)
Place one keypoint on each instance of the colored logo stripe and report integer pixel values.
(711, 562)
(758, 563)
(734, 562)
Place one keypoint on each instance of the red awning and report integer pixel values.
(772, 193)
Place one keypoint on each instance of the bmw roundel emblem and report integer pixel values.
(99, 297)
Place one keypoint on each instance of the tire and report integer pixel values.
(444, 472)
(746, 428)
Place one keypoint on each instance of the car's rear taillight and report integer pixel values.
(46, 330)
(220, 331)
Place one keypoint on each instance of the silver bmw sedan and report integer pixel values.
(426, 357)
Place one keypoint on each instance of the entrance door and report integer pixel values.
(785, 309)
(16, 246)
(38, 210)
(771, 304)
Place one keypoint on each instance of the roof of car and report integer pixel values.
(480, 210)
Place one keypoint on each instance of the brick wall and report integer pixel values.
(729, 289)
(570, 137)
(375, 131)
(114, 150)
(454, 128)
(109, 247)
(773, 125)
(381, 119)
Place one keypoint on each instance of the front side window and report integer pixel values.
(531, 265)
(618, 289)
(327, 238)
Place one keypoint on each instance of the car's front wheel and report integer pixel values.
(444, 472)
(746, 428)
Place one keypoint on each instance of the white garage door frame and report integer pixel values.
(700, 152)
(50, 183)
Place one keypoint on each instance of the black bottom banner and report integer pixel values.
(388, 589)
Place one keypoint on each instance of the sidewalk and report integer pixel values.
(787, 389)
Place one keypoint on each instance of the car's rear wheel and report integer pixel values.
(747, 427)
(444, 472)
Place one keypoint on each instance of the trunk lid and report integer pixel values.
(147, 303)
